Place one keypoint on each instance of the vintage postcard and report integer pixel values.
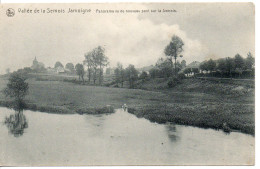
(127, 84)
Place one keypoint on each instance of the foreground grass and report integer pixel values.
(195, 102)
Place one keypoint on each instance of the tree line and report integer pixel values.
(95, 60)
(164, 69)
(129, 74)
(168, 67)
(230, 67)
(94, 63)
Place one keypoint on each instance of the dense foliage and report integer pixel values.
(16, 88)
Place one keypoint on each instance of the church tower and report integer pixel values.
(35, 62)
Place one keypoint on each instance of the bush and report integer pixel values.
(173, 82)
(181, 76)
(131, 110)
(154, 72)
(105, 110)
(144, 75)
(108, 109)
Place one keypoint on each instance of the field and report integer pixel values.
(224, 105)
(64, 97)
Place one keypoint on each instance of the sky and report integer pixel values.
(209, 30)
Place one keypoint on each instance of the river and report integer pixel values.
(116, 139)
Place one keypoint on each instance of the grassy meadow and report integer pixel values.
(64, 97)
(196, 102)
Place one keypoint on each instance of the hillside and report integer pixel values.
(196, 102)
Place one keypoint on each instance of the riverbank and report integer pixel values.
(197, 103)
(226, 117)
(61, 110)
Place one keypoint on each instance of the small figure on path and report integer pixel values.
(124, 107)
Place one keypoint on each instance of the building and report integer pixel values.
(191, 69)
(60, 70)
(51, 70)
(37, 66)
(194, 65)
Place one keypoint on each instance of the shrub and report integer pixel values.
(181, 75)
(144, 75)
(173, 81)
(131, 110)
(108, 109)
(105, 110)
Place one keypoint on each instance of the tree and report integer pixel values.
(249, 61)
(70, 67)
(238, 62)
(94, 66)
(58, 64)
(173, 50)
(221, 66)
(108, 70)
(211, 65)
(154, 72)
(195, 70)
(144, 75)
(80, 71)
(230, 65)
(122, 74)
(178, 66)
(204, 66)
(7, 70)
(183, 64)
(99, 60)
(187, 71)
(102, 61)
(132, 75)
(16, 88)
(165, 67)
(89, 62)
(119, 74)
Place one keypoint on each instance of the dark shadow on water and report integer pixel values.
(172, 133)
(16, 123)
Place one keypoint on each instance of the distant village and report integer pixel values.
(39, 67)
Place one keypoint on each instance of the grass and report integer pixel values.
(235, 117)
(63, 97)
(60, 109)
(195, 102)
(219, 104)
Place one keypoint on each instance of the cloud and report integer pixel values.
(126, 38)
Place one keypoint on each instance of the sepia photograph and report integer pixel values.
(127, 84)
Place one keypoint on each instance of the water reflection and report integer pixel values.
(16, 123)
(105, 139)
(171, 131)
